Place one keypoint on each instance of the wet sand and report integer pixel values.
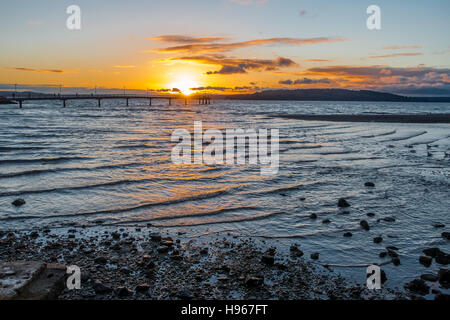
(388, 118)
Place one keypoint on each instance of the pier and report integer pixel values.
(202, 100)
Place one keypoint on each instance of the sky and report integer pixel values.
(226, 46)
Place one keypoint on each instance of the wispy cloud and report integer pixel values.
(36, 70)
(224, 47)
(394, 55)
(306, 81)
(187, 39)
(401, 47)
(248, 2)
(125, 66)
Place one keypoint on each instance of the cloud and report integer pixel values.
(37, 70)
(394, 55)
(224, 47)
(306, 81)
(34, 23)
(186, 39)
(125, 66)
(235, 66)
(401, 47)
(317, 60)
(302, 12)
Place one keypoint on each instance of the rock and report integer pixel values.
(377, 239)
(442, 258)
(365, 225)
(348, 234)
(315, 255)
(432, 252)
(389, 219)
(446, 235)
(342, 203)
(122, 291)
(426, 260)
(396, 261)
(100, 260)
(254, 282)
(418, 286)
(34, 234)
(204, 251)
(313, 216)
(268, 259)
(444, 278)
(326, 221)
(391, 248)
(429, 277)
(302, 199)
(18, 202)
(383, 254)
(344, 212)
(439, 225)
(100, 288)
(392, 253)
(371, 214)
(296, 251)
(155, 237)
(115, 235)
(142, 288)
(163, 249)
(369, 184)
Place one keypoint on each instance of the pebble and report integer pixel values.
(365, 225)
(313, 216)
(342, 203)
(377, 239)
(369, 184)
(446, 235)
(429, 277)
(315, 255)
(100, 260)
(418, 286)
(100, 288)
(142, 287)
(426, 260)
(348, 234)
(18, 202)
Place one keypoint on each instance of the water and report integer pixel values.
(84, 165)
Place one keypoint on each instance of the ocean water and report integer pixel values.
(88, 166)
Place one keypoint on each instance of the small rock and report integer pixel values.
(342, 203)
(123, 291)
(296, 251)
(426, 260)
(444, 278)
(18, 202)
(254, 282)
(185, 294)
(383, 254)
(163, 249)
(268, 259)
(446, 235)
(369, 184)
(365, 225)
(432, 252)
(100, 288)
(442, 258)
(313, 216)
(204, 251)
(155, 237)
(418, 286)
(439, 225)
(377, 239)
(100, 260)
(326, 221)
(429, 277)
(371, 214)
(315, 255)
(348, 234)
(442, 297)
(142, 288)
(389, 219)
(115, 235)
(396, 261)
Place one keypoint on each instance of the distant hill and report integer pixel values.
(332, 95)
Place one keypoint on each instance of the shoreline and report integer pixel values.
(141, 263)
(385, 118)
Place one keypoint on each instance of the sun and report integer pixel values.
(184, 83)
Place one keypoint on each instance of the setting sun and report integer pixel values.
(184, 83)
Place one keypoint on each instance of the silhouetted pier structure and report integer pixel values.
(202, 100)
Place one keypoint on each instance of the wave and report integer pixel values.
(406, 137)
(198, 196)
(49, 160)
